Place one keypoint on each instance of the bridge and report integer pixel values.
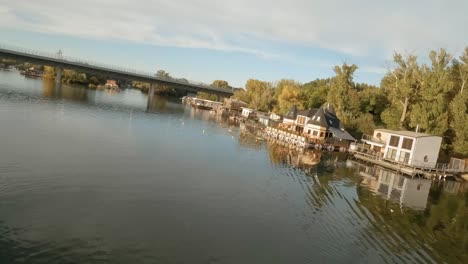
(61, 62)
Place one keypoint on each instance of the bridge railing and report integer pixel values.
(58, 57)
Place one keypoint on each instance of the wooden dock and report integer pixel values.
(439, 171)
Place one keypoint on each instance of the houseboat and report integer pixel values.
(409, 152)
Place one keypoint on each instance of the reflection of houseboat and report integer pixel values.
(409, 192)
(31, 72)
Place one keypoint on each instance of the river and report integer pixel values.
(92, 177)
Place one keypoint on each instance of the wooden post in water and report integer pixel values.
(58, 76)
(150, 97)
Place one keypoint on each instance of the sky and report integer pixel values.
(236, 40)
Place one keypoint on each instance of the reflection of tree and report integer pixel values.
(75, 93)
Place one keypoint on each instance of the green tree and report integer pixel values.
(343, 94)
(162, 74)
(314, 94)
(401, 85)
(459, 124)
(430, 111)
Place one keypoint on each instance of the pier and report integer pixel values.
(441, 170)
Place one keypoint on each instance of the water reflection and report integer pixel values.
(100, 179)
(409, 192)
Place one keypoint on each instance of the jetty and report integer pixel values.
(408, 152)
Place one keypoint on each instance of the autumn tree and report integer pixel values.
(289, 95)
(220, 84)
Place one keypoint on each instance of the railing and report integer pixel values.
(58, 57)
(440, 167)
(371, 138)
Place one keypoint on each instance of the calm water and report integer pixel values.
(91, 177)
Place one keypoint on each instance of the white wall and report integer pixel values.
(383, 135)
(288, 121)
(429, 146)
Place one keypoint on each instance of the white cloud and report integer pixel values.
(356, 29)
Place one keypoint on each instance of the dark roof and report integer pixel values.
(292, 113)
(309, 112)
(325, 118)
(341, 133)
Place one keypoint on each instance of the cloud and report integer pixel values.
(365, 29)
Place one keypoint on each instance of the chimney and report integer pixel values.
(417, 128)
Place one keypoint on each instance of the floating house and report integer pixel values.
(408, 147)
(263, 118)
(317, 123)
(296, 119)
(247, 112)
(233, 106)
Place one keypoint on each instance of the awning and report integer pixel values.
(343, 134)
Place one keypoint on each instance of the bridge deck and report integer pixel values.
(67, 62)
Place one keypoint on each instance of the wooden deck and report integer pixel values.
(440, 170)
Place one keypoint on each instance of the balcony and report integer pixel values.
(372, 140)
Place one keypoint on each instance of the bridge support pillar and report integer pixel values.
(150, 97)
(58, 76)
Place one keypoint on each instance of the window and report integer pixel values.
(407, 143)
(321, 134)
(394, 141)
(426, 159)
(404, 157)
(318, 118)
(378, 135)
(391, 153)
(308, 132)
(301, 119)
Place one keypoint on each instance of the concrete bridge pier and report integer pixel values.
(58, 76)
(150, 97)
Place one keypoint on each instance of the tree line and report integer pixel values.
(431, 96)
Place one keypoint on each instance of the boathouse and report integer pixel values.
(408, 147)
(247, 112)
(317, 123)
(296, 119)
(325, 124)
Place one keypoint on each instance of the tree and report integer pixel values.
(343, 94)
(162, 74)
(459, 124)
(401, 85)
(430, 111)
(314, 94)
(220, 84)
(289, 95)
(258, 94)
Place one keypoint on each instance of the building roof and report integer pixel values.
(412, 134)
(309, 112)
(325, 118)
(292, 113)
(341, 133)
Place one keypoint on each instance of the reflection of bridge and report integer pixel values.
(61, 62)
